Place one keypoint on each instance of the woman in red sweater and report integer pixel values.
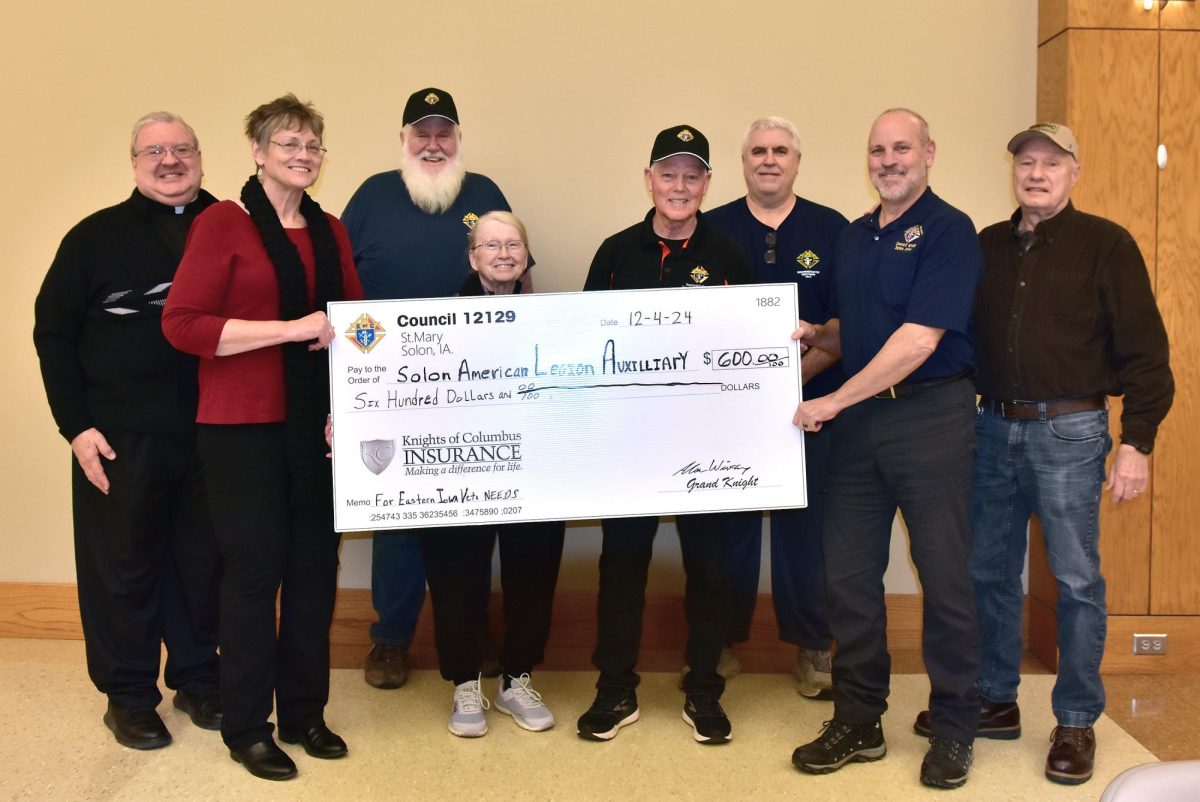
(249, 299)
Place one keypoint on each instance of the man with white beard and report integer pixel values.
(408, 228)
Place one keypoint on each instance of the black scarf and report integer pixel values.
(306, 373)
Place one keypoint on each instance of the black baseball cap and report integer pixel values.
(680, 140)
(429, 102)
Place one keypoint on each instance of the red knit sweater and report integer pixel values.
(226, 274)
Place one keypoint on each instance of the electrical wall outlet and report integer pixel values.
(1150, 643)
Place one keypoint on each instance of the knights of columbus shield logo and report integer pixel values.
(377, 454)
(365, 333)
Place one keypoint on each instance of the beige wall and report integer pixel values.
(560, 102)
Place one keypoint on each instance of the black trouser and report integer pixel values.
(914, 453)
(269, 546)
(458, 563)
(146, 565)
(624, 561)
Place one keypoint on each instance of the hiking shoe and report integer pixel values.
(524, 704)
(814, 678)
(1000, 721)
(613, 709)
(466, 720)
(709, 722)
(838, 744)
(946, 763)
(386, 666)
(728, 666)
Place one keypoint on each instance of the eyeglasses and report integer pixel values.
(494, 246)
(769, 256)
(293, 148)
(178, 151)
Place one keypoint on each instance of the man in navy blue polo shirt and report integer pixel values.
(787, 239)
(905, 439)
(408, 228)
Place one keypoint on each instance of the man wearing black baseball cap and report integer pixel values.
(408, 228)
(672, 247)
(1064, 318)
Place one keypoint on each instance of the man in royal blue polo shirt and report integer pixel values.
(788, 239)
(905, 439)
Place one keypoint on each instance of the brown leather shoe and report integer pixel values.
(386, 666)
(1000, 721)
(1072, 755)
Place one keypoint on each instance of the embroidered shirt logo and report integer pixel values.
(699, 274)
(913, 234)
(365, 333)
(470, 219)
(432, 99)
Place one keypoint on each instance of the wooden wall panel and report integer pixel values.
(1052, 81)
(1183, 645)
(1175, 563)
(1126, 541)
(1112, 106)
(1180, 16)
(1056, 15)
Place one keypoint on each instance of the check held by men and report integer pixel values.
(567, 406)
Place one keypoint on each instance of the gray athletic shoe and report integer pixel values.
(813, 677)
(466, 720)
(524, 704)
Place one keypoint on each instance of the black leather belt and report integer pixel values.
(1036, 410)
(912, 388)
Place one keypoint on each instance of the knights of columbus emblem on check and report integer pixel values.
(365, 333)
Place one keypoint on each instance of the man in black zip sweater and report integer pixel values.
(125, 400)
(673, 247)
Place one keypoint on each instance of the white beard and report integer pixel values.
(433, 194)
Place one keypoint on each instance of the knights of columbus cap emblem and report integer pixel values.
(913, 234)
(365, 333)
(432, 99)
(685, 135)
(470, 219)
(699, 275)
(808, 260)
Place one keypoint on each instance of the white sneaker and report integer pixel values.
(524, 704)
(466, 720)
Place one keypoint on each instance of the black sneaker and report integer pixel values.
(612, 710)
(709, 722)
(838, 744)
(946, 763)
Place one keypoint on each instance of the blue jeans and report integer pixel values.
(1054, 469)
(397, 586)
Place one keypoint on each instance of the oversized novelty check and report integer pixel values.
(565, 406)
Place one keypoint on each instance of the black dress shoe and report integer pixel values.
(1000, 721)
(205, 711)
(265, 759)
(139, 728)
(318, 740)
